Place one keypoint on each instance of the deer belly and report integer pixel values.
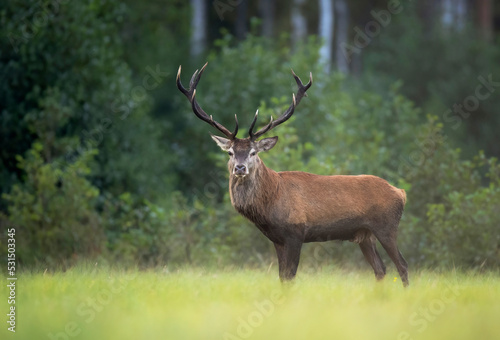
(345, 229)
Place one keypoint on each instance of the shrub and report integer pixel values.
(53, 211)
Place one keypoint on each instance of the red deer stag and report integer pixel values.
(293, 207)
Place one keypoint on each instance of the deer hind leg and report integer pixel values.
(288, 258)
(369, 249)
(388, 241)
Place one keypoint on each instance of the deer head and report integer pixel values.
(243, 153)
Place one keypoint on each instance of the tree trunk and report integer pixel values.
(326, 33)
(198, 27)
(485, 18)
(461, 14)
(299, 23)
(453, 14)
(447, 13)
(342, 34)
(267, 13)
(241, 27)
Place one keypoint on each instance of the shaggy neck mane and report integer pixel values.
(254, 194)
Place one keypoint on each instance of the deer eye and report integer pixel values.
(253, 153)
(229, 153)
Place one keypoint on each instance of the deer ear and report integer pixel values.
(222, 142)
(267, 143)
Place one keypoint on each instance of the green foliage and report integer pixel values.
(64, 50)
(445, 195)
(440, 69)
(94, 160)
(70, 89)
(210, 233)
(463, 228)
(162, 24)
(136, 232)
(53, 211)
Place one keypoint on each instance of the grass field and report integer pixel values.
(102, 303)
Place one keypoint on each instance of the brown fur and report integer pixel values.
(292, 207)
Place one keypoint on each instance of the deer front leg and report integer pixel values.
(288, 258)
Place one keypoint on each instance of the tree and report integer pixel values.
(240, 25)
(453, 14)
(71, 96)
(342, 34)
(64, 72)
(198, 27)
(485, 18)
(299, 22)
(326, 19)
(267, 8)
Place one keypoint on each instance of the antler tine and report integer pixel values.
(301, 92)
(198, 111)
(250, 130)
(267, 127)
(302, 88)
(179, 84)
(197, 76)
(233, 135)
(193, 83)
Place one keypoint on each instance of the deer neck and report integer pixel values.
(257, 189)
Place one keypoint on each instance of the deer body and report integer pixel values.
(315, 208)
(292, 207)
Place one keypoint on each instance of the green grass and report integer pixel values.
(103, 303)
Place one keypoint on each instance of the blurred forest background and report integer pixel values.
(102, 158)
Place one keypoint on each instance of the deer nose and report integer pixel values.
(240, 170)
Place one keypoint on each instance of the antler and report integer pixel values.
(301, 92)
(198, 111)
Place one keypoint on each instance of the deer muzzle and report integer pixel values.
(240, 170)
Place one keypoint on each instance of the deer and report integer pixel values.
(292, 207)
